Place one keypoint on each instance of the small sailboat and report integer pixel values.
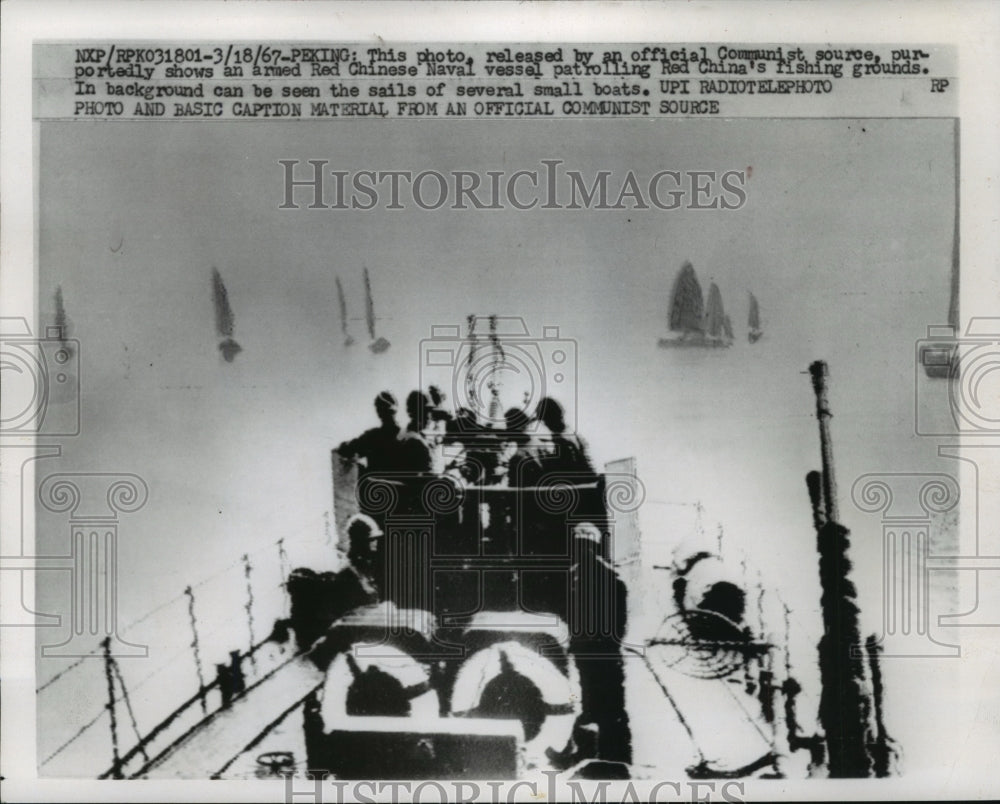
(939, 353)
(224, 318)
(693, 322)
(378, 345)
(62, 322)
(718, 328)
(686, 310)
(342, 302)
(755, 332)
(63, 384)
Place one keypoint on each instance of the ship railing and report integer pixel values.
(229, 681)
(195, 631)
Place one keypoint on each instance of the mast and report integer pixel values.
(818, 371)
(845, 706)
(470, 380)
(496, 409)
(754, 318)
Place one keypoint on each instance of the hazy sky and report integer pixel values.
(845, 240)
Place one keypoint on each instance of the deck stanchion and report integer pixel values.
(116, 771)
(196, 649)
(247, 569)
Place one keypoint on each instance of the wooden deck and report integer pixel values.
(215, 744)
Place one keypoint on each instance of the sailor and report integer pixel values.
(320, 599)
(567, 452)
(379, 446)
(520, 469)
(566, 460)
(597, 620)
(439, 416)
(361, 581)
(521, 454)
(415, 452)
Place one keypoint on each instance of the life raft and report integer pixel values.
(389, 682)
(511, 680)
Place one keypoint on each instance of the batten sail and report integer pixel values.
(687, 305)
(753, 321)
(714, 312)
(378, 345)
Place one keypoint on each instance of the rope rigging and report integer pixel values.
(116, 759)
(128, 705)
(195, 648)
(113, 671)
(65, 670)
(247, 569)
(283, 566)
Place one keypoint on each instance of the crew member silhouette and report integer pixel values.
(379, 447)
(597, 620)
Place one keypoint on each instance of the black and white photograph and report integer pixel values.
(611, 418)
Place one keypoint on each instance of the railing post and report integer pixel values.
(195, 647)
(236, 671)
(247, 569)
(116, 771)
(225, 681)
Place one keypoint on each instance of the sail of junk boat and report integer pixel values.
(342, 305)
(693, 321)
(378, 344)
(753, 324)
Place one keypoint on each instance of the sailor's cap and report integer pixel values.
(386, 399)
(358, 521)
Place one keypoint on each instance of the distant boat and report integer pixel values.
(63, 383)
(62, 322)
(755, 332)
(718, 327)
(378, 345)
(224, 318)
(342, 302)
(690, 322)
(939, 353)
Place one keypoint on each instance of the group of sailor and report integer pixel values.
(459, 445)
